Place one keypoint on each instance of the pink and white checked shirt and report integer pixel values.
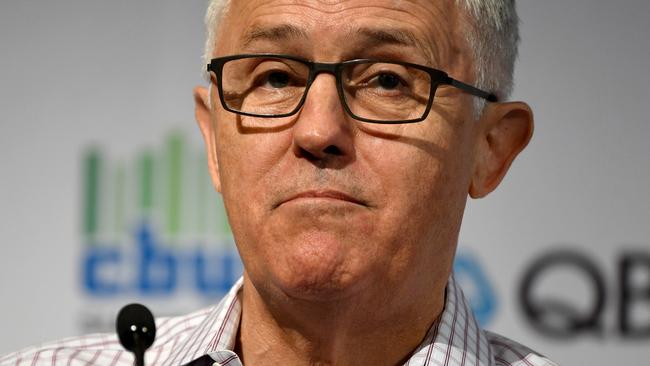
(207, 337)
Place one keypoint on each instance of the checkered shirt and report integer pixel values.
(207, 337)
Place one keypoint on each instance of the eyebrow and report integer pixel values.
(376, 37)
(282, 32)
(370, 37)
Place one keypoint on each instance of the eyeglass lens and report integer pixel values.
(268, 86)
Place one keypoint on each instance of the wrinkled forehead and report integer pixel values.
(336, 28)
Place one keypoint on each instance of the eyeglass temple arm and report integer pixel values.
(472, 90)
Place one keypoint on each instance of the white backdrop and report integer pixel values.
(117, 76)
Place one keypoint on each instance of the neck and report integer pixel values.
(374, 327)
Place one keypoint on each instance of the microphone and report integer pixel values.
(136, 330)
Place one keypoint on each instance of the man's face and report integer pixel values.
(323, 206)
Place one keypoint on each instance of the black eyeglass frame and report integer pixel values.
(438, 77)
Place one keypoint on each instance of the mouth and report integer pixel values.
(324, 195)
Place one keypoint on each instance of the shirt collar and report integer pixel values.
(455, 340)
(216, 335)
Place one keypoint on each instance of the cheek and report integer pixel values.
(246, 160)
(247, 154)
(424, 177)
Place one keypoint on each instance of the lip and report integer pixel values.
(324, 194)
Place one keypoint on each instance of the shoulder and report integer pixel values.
(89, 349)
(507, 352)
(105, 349)
(180, 336)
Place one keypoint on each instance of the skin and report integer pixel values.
(347, 230)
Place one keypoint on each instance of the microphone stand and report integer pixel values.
(138, 350)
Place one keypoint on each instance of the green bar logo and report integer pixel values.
(157, 218)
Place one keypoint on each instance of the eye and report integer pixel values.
(388, 81)
(278, 79)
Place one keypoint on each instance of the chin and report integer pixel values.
(314, 286)
(318, 272)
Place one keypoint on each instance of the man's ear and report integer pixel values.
(505, 130)
(203, 115)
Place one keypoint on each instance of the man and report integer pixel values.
(344, 138)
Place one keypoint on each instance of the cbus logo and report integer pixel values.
(158, 268)
(153, 226)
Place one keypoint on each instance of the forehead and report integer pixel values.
(332, 27)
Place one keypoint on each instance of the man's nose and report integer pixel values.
(323, 130)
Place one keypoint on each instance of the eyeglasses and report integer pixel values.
(275, 86)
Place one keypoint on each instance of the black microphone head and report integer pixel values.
(135, 327)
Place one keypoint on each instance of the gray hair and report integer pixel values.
(493, 35)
